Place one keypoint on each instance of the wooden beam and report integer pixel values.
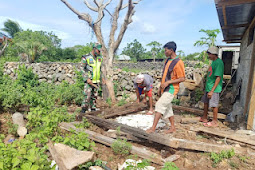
(164, 140)
(233, 40)
(251, 111)
(141, 152)
(235, 26)
(233, 2)
(198, 111)
(229, 135)
(224, 15)
(251, 72)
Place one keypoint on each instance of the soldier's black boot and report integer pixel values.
(83, 110)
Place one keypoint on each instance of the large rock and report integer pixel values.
(18, 119)
(69, 158)
(183, 91)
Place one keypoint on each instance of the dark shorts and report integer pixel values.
(214, 101)
(141, 91)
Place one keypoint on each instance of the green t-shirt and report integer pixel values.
(216, 69)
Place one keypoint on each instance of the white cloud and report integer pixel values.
(148, 28)
(35, 27)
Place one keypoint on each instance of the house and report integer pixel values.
(237, 22)
(2, 36)
(230, 58)
(123, 57)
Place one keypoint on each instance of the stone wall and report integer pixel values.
(47, 72)
(57, 72)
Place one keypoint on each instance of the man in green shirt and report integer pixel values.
(213, 86)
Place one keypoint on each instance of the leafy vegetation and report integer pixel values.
(217, 158)
(138, 166)
(121, 147)
(170, 166)
(48, 107)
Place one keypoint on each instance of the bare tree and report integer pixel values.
(113, 44)
(5, 44)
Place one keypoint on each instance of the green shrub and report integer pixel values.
(170, 166)
(26, 76)
(138, 166)
(121, 147)
(176, 101)
(216, 158)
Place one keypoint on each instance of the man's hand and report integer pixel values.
(103, 81)
(209, 95)
(159, 92)
(89, 82)
(164, 85)
(137, 101)
(144, 100)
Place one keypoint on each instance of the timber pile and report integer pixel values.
(120, 111)
(141, 152)
(171, 142)
(228, 135)
(198, 111)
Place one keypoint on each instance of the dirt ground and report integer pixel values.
(188, 160)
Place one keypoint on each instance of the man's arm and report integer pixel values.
(167, 83)
(217, 81)
(137, 95)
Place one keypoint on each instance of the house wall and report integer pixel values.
(244, 66)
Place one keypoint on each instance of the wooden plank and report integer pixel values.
(133, 109)
(164, 140)
(233, 136)
(251, 112)
(251, 72)
(198, 111)
(189, 120)
(141, 152)
(233, 2)
(235, 26)
(224, 15)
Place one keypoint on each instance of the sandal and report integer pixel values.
(210, 124)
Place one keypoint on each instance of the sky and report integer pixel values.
(154, 20)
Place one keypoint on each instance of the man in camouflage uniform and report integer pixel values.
(91, 77)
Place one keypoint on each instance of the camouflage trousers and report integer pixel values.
(90, 95)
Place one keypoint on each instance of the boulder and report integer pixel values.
(18, 119)
(69, 158)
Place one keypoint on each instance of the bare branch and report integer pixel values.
(124, 6)
(83, 16)
(107, 3)
(127, 21)
(90, 7)
(95, 1)
(115, 23)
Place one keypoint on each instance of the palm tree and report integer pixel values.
(207, 41)
(31, 50)
(11, 27)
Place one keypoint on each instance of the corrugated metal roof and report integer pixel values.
(123, 57)
(235, 16)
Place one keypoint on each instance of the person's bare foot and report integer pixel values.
(151, 130)
(171, 130)
(150, 112)
(202, 119)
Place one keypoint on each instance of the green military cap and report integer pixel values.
(97, 46)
